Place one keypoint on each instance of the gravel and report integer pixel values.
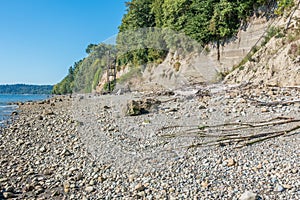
(85, 147)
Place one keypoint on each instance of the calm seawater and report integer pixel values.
(6, 110)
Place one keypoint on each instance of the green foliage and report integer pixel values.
(90, 48)
(206, 50)
(247, 58)
(139, 15)
(284, 5)
(25, 89)
(97, 77)
(86, 73)
(177, 66)
(112, 86)
(174, 14)
(199, 20)
(293, 35)
(156, 11)
(181, 23)
(273, 31)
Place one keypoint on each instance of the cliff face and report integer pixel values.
(205, 67)
(278, 62)
(275, 62)
(265, 50)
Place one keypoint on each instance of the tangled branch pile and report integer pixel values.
(239, 134)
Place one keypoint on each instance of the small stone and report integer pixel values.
(89, 189)
(248, 195)
(202, 106)
(141, 194)
(279, 188)
(130, 178)
(205, 184)
(8, 195)
(79, 176)
(259, 166)
(139, 187)
(14, 113)
(30, 172)
(211, 110)
(3, 180)
(66, 187)
(48, 112)
(48, 172)
(101, 179)
(146, 121)
(286, 186)
(274, 179)
(92, 182)
(28, 188)
(270, 93)
(9, 189)
(20, 142)
(43, 149)
(241, 100)
(294, 171)
(263, 110)
(230, 162)
(39, 191)
(55, 193)
(66, 152)
(106, 107)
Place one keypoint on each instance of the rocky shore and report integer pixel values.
(196, 143)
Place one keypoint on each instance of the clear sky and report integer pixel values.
(41, 39)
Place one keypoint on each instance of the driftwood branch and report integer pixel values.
(247, 140)
(236, 137)
(237, 125)
(275, 103)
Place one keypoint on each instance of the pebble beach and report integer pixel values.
(195, 144)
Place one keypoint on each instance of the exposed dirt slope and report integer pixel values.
(278, 62)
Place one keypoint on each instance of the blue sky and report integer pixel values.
(41, 39)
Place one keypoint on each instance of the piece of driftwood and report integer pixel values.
(275, 103)
(233, 134)
(244, 140)
(236, 125)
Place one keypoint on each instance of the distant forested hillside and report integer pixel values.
(25, 89)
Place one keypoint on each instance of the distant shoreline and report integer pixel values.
(26, 89)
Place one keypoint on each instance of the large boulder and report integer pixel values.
(139, 107)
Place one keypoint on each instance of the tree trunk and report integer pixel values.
(218, 49)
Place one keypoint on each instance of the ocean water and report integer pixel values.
(6, 110)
